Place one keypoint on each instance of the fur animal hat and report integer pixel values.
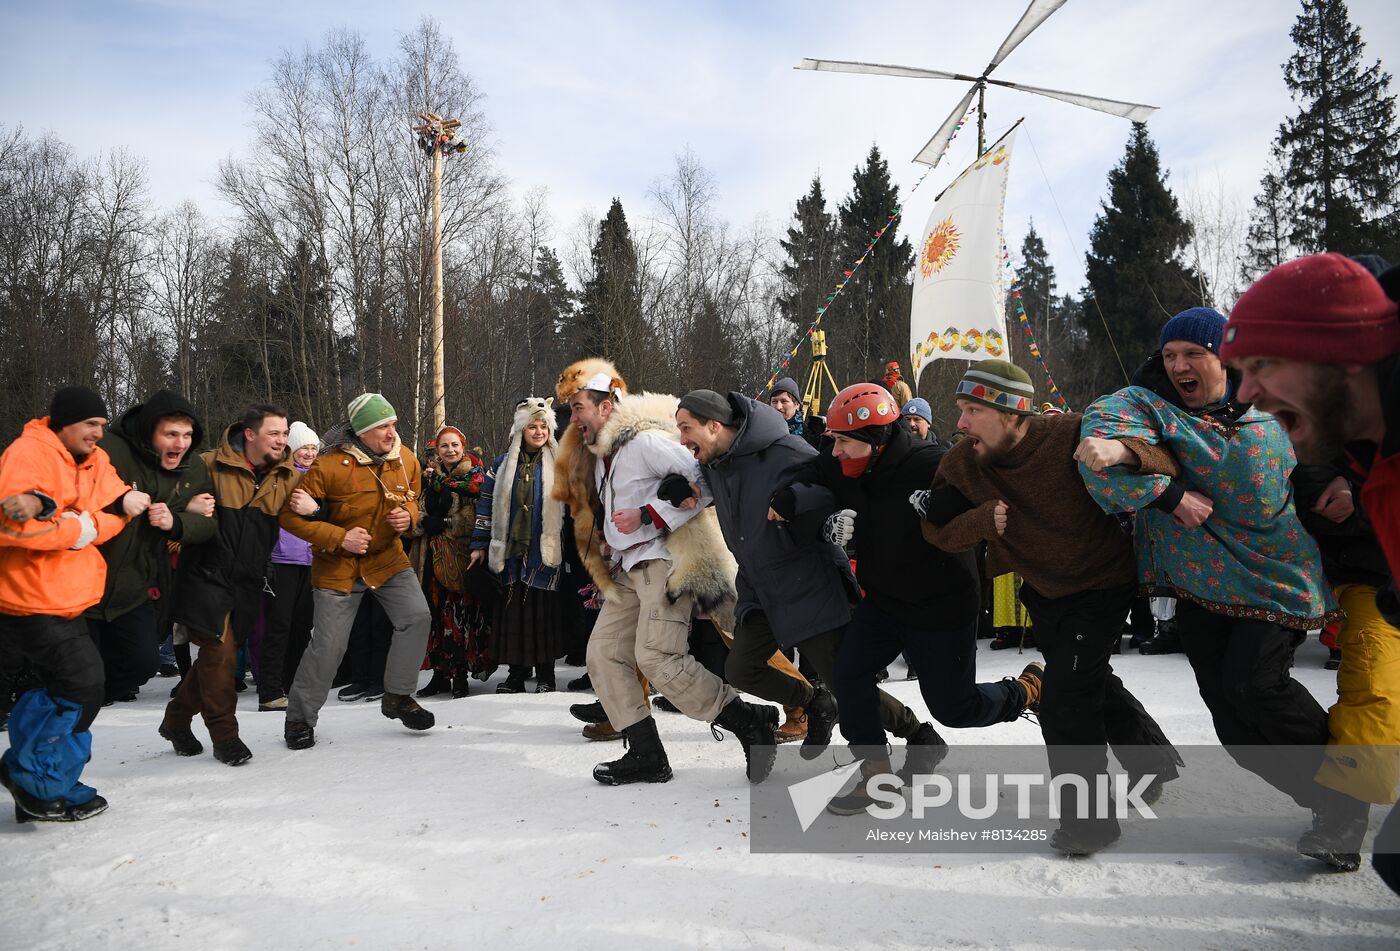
(575, 375)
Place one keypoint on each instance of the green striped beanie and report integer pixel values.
(1000, 385)
(369, 410)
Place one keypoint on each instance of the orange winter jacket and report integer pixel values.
(39, 571)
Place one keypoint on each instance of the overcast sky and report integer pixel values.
(594, 99)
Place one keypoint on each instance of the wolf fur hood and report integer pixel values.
(552, 518)
(701, 564)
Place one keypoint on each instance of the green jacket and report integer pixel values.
(137, 556)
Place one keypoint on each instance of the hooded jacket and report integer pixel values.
(803, 585)
(39, 571)
(356, 490)
(901, 573)
(222, 580)
(134, 557)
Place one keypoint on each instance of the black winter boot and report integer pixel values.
(53, 810)
(859, 799)
(94, 806)
(644, 762)
(514, 682)
(821, 713)
(440, 683)
(232, 752)
(924, 749)
(405, 709)
(183, 739)
(754, 727)
(1339, 825)
(1084, 837)
(299, 736)
(1167, 641)
(589, 712)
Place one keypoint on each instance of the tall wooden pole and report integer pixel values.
(439, 387)
(437, 135)
(981, 119)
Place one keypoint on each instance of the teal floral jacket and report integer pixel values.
(1252, 557)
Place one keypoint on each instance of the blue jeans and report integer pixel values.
(945, 660)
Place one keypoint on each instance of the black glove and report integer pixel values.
(675, 488)
(433, 525)
(784, 502)
(814, 425)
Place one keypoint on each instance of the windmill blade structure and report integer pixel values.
(1035, 15)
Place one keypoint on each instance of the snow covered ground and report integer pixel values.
(489, 832)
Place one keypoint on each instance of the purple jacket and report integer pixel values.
(289, 549)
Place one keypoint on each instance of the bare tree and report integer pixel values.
(185, 265)
(1217, 241)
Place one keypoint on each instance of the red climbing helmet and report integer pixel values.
(861, 405)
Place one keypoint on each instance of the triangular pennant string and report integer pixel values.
(1030, 339)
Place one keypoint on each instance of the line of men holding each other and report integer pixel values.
(712, 504)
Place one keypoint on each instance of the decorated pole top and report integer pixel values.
(439, 134)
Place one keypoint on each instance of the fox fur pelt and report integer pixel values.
(701, 564)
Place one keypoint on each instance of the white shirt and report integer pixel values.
(630, 480)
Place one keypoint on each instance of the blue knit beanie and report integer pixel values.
(919, 407)
(1198, 325)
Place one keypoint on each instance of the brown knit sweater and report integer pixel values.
(1057, 538)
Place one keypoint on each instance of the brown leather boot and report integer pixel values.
(601, 731)
(794, 727)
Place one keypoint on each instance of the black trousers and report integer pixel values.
(945, 660)
(130, 649)
(1385, 854)
(1242, 670)
(1141, 623)
(748, 670)
(1084, 707)
(61, 654)
(286, 629)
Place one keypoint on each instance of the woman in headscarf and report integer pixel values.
(451, 484)
(519, 533)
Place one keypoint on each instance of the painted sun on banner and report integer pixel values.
(939, 248)
(959, 293)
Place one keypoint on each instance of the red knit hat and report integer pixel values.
(1324, 308)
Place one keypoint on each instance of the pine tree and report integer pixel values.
(1267, 243)
(810, 268)
(547, 304)
(870, 323)
(1342, 149)
(1036, 282)
(1134, 270)
(610, 315)
(709, 351)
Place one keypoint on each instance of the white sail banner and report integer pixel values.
(959, 307)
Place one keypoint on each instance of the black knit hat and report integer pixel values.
(73, 404)
(707, 405)
(786, 385)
